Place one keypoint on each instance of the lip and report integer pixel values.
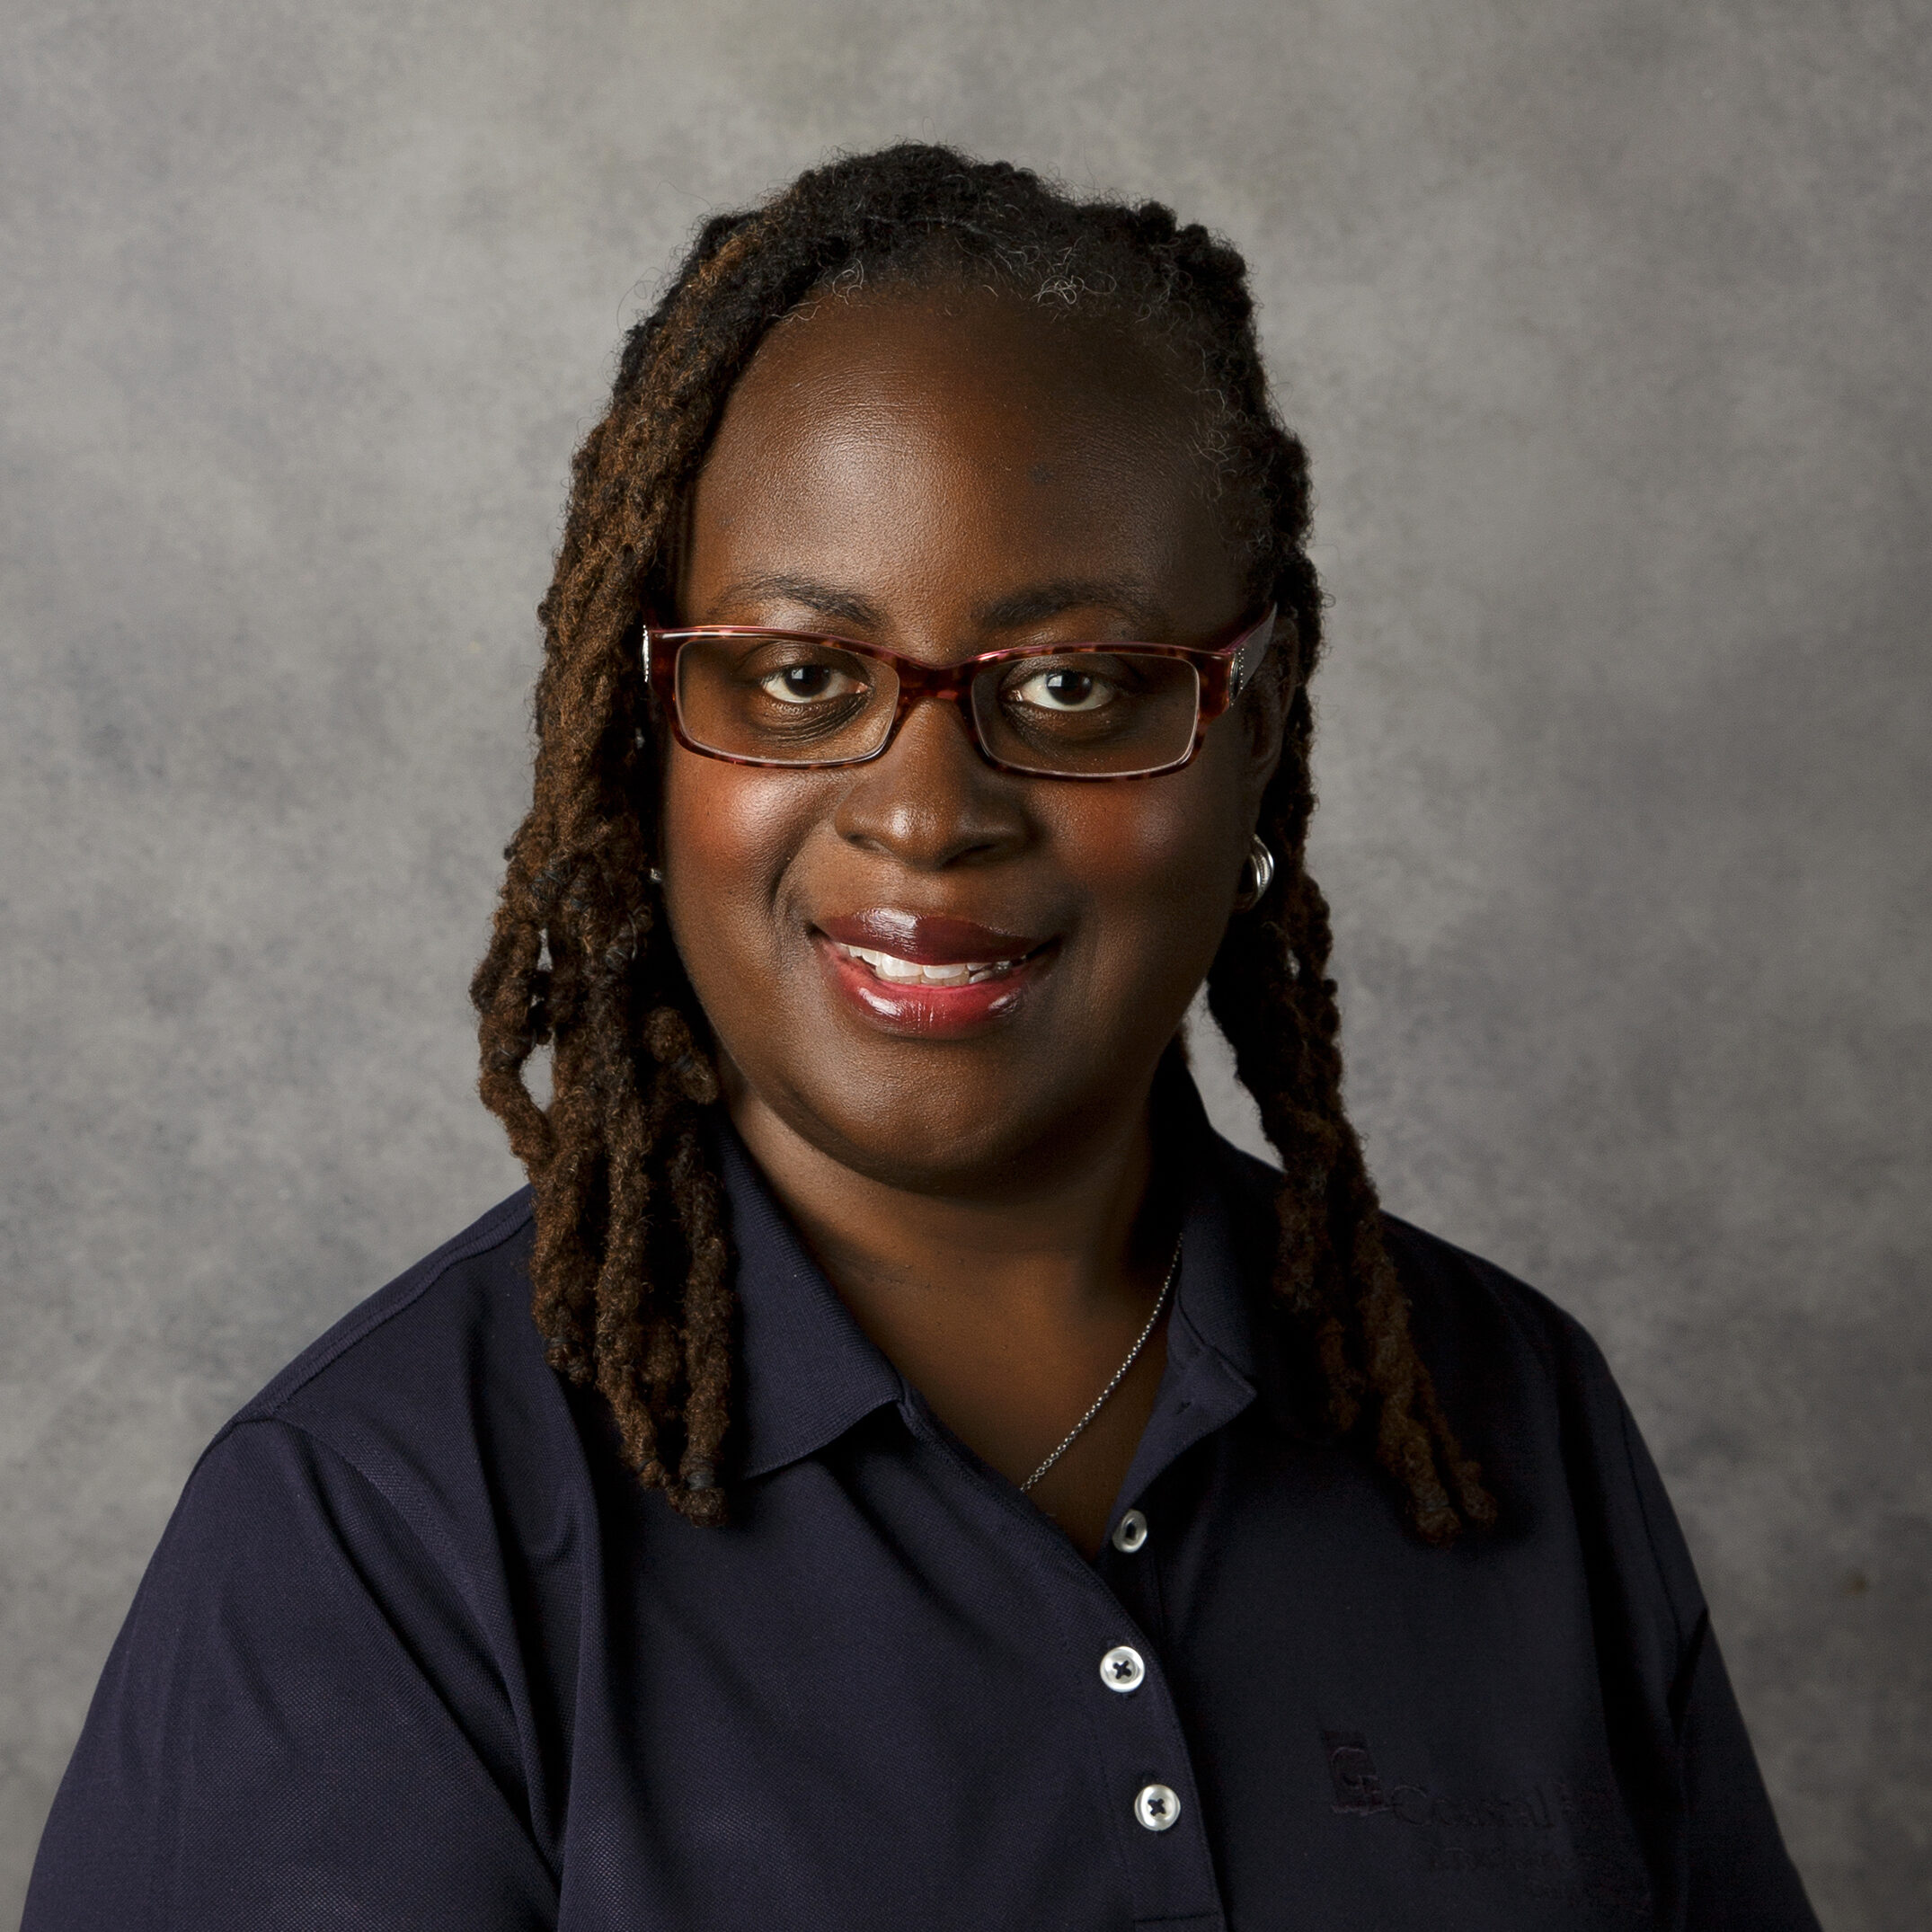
(918, 1010)
(927, 939)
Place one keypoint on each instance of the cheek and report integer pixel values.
(1159, 861)
(728, 833)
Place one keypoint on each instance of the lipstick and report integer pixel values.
(930, 976)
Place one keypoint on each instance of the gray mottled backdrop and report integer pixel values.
(1606, 324)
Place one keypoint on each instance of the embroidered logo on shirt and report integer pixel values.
(1574, 1847)
(1358, 1788)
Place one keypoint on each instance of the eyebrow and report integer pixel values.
(1033, 604)
(825, 599)
(1073, 593)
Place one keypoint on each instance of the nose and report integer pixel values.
(930, 801)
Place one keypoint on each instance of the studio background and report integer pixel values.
(1606, 325)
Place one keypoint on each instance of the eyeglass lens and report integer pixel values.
(806, 701)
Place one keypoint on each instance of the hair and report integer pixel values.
(630, 1266)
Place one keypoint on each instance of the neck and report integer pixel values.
(1008, 1301)
(1068, 1231)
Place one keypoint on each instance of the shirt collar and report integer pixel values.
(811, 1372)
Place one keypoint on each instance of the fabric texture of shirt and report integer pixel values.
(416, 1652)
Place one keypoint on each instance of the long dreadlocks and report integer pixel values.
(630, 1266)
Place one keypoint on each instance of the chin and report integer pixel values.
(928, 1136)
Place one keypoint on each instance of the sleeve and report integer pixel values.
(1740, 1878)
(298, 1727)
(1730, 1865)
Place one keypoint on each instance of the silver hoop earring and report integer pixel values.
(657, 877)
(1257, 874)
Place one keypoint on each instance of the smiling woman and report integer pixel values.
(944, 1484)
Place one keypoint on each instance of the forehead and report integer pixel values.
(924, 439)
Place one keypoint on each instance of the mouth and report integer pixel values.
(930, 978)
(893, 970)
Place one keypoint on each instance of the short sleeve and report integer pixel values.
(1740, 1878)
(298, 1727)
(1732, 1869)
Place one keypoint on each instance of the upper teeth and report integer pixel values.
(909, 972)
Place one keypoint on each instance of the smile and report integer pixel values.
(895, 971)
(930, 977)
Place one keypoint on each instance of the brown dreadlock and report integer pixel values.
(630, 1267)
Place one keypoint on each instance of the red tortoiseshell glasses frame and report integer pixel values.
(1220, 674)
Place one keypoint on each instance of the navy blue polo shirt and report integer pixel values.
(416, 1652)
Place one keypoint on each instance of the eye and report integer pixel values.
(808, 684)
(1062, 687)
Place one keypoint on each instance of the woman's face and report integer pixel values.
(944, 474)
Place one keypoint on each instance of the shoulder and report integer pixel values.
(418, 1468)
(1472, 1318)
(1527, 1385)
(1463, 1302)
(1532, 1399)
(428, 1398)
(1511, 1365)
(351, 1568)
(409, 1344)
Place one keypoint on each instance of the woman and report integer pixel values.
(945, 1484)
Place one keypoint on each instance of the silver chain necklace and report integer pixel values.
(1120, 1374)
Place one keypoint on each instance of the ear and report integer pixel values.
(1263, 710)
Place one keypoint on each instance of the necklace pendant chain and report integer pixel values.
(1120, 1374)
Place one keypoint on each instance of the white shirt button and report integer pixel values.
(1121, 1669)
(1156, 1807)
(1129, 1533)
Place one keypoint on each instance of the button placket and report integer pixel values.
(1123, 1669)
(1148, 1755)
(1146, 1766)
(1142, 1752)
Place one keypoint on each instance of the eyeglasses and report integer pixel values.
(755, 697)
